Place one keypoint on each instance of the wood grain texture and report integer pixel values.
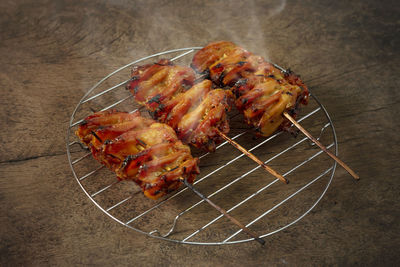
(52, 52)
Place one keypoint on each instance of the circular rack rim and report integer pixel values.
(186, 51)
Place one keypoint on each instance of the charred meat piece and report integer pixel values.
(153, 84)
(233, 63)
(262, 91)
(101, 127)
(263, 105)
(213, 52)
(200, 125)
(139, 149)
(196, 112)
(177, 106)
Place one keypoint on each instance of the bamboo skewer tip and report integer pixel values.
(223, 212)
(253, 157)
(306, 133)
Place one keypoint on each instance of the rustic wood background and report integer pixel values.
(51, 52)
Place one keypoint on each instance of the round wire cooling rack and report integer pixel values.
(257, 199)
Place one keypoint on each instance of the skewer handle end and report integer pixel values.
(254, 158)
(306, 133)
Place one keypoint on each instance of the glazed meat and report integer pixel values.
(196, 113)
(214, 51)
(139, 149)
(262, 91)
(153, 84)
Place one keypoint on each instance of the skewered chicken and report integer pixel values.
(153, 84)
(139, 149)
(196, 114)
(262, 91)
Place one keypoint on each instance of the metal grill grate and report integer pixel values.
(255, 197)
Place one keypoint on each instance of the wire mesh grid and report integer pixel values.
(243, 189)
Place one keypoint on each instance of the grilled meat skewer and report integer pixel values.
(144, 151)
(263, 92)
(268, 97)
(195, 111)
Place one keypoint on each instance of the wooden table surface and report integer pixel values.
(52, 52)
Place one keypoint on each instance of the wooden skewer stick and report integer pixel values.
(295, 123)
(250, 155)
(224, 212)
